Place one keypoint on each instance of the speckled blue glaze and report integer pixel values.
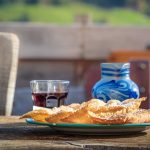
(115, 83)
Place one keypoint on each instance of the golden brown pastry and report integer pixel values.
(38, 115)
(140, 116)
(116, 107)
(56, 112)
(74, 106)
(94, 111)
(102, 109)
(61, 113)
(81, 115)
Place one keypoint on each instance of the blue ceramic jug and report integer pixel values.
(115, 83)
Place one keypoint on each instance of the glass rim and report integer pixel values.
(49, 81)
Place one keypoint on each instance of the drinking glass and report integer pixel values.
(49, 93)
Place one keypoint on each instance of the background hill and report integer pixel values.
(112, 12)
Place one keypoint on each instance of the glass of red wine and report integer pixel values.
(49, 93)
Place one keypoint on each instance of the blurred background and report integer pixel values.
(68, 39)
(63, 12)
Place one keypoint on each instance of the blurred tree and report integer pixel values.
(148, 8)
(32, 2)
(136, 4)
(2, 2)
(14, 1)
(58, 2)
(61, 2)
(107, 3)
(45, 1)
(139, 5)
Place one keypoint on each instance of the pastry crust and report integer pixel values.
(38, 115)
(81, 115)
(103, 109)
(140, 116)
(55, 113)
(94, 111)
(113, 106)
(60, 114)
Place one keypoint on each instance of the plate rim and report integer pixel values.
(74, 125)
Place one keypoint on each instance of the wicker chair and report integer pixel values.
(9, 48)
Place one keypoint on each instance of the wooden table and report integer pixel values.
(15, 134)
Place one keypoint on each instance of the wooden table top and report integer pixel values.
(15, 134)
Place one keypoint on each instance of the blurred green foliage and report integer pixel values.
(113, 12)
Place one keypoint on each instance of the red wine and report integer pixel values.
(49, 100)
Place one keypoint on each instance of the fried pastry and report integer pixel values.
(113, 102)
(57, 112)
(81, 115)
(60, 114)
(74, 106)
(102, 109)
(116, 107)
(94, 111)
(140, 116)
(38, 115)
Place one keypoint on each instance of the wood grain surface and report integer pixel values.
(15, 134)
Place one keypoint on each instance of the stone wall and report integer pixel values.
(65, 52)
(75, 41)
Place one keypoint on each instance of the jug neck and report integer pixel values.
(115, 70)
